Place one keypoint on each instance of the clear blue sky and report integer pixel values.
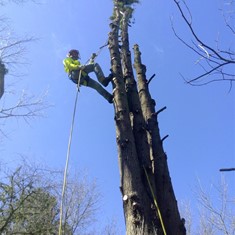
(200, 121)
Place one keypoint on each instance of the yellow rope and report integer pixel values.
(155, 202)
(67, 158)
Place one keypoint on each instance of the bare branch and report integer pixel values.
(26, 107)
(227, 169)
(215, 60)
(216, 216)
(209, 72)
(29, 201)
(150, 79)
(12, 54)
(4, 2)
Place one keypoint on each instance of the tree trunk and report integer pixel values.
(3, 72)
(165, 193)
(133, 191)
(138, 161)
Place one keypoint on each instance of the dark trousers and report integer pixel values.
(85, 80)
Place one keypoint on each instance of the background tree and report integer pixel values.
(149, 203)
(4, 2)
(217, 61)
(3, 72)
(12, 56)
(30, 198)
(216, 210)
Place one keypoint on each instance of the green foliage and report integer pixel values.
(26, 208)
(38, 213)
(30, 199)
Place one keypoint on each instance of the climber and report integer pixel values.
(72, 66)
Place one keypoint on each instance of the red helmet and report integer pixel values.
(74, 53)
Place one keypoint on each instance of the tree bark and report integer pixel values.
(138, 125)
(3, 72)
(136, 202)
(165, 193)
(139, 154)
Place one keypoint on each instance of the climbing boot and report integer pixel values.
(107, 80)
(110, 99)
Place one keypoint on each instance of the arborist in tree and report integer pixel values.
(73, 67)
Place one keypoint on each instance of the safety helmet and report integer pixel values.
(74, 53)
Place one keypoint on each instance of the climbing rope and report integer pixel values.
(155, 202)
(94, 55)
(68, 156)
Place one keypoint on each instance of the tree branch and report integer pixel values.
(215, 58)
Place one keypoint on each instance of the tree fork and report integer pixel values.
(138, 122)
(132, 188)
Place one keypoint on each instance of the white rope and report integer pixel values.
(68, 156)
(69, 144)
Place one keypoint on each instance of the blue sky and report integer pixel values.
(199, 120)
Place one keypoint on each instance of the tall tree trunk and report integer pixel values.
(136, 147)
(138, 124)
(137, 218)
(165, 193)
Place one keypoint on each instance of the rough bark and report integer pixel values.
(138, 123)
(136, 203)
(139, 153)
(165, 193)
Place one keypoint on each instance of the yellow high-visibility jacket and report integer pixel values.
(70, 64)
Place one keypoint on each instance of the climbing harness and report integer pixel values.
(68, 156)
(155, 201)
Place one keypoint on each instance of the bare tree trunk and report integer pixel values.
(3, 72)
(136, 116)
(137, 204)
(138, 151)
(165, 193)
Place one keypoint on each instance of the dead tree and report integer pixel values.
(149, 203)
